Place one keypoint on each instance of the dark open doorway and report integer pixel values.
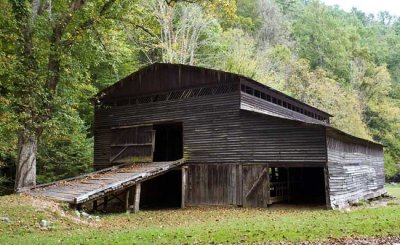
(164, 191)
(297, 185)
(168, 142)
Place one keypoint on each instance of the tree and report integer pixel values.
(325, 39)
(56, 45)
(182, 27)
(273, 29)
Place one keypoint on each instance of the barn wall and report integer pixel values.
(213, 184)
(228, 184)
(210, 126)
(266, 139)
(356, 171)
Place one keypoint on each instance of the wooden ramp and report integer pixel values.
(97, 184)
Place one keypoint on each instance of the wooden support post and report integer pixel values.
(127, 192)
(327, 194)
(132, 198)
(137, 198)
(268, 186)
(105, 202)
(184, 184)
(239, 182)
(95, 205)
(289, 193)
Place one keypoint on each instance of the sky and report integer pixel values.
(368, 6)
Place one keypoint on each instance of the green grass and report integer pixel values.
(393, 190)
(193, 225)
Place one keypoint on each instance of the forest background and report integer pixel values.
(55, 56)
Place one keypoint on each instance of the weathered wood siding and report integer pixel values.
(356, 171)
(213, 184)
(228, 184)
(266, 139)
(255, 181)
(254, 103)
(210, 126)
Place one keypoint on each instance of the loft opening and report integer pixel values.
(297, 185)
(259, 94)
(168, 144)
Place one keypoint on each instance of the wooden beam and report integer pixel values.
(119, 153)
(239, 184)
(127, 193)
(258, 181)
(184, 184)
(268, 187)
(132, 197)
(137, 198)
(289, 193)
(133, 126)
(327, 194)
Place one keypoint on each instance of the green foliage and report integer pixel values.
(345, 63)
(325, 39)
(391, 167)
(318, 89)
(65, 149)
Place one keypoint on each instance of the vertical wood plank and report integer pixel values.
(184, 184)
(132, 197)
(240, 185)
(289, 193)
(268, 187)
(127, 193)
(233, 185)
(327, 195)
(137, 198)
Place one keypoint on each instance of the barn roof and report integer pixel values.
(147, 80)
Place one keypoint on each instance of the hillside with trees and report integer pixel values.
(56, 55)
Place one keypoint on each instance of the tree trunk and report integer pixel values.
(26, 162)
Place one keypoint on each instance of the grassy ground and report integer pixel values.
(393, 190)
(192, 225)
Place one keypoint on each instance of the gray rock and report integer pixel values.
(5, 220)
(44, 223)
(85, 215)
(97, 218)
(78, 213)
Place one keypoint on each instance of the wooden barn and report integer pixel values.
(208, 137)
(243, 143)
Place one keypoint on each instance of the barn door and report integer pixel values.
(255, 185)
(132, 144)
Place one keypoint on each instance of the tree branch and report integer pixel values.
(55, 48)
